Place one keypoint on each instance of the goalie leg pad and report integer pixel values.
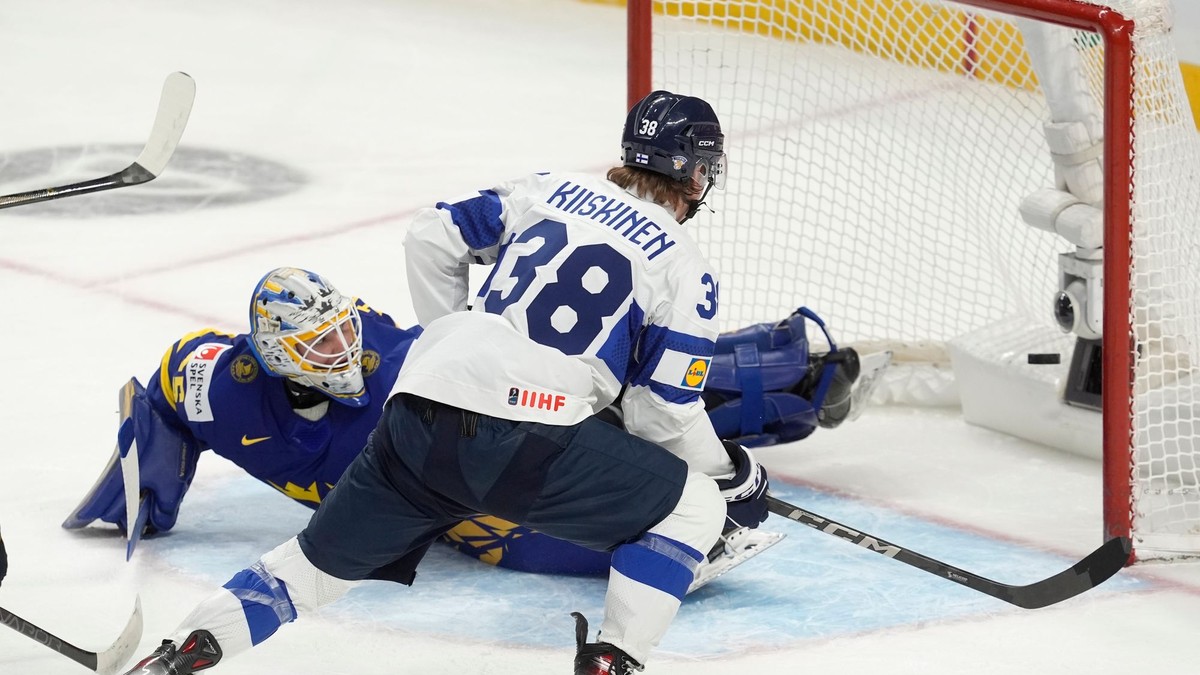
(765, 336)
(764, 387)
(786, 418)
(167, 462)
(751, 391)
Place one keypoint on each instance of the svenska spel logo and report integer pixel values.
(209, 352)
(696, 371)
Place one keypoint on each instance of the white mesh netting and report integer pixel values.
(878, 153)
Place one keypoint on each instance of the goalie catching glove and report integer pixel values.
(745, 491)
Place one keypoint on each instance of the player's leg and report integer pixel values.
(611, 490)
(377, 523)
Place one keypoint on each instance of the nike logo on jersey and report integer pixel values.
(251, 441)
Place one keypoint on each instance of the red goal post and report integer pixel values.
(766, 64)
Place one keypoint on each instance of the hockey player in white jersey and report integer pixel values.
(596, 287)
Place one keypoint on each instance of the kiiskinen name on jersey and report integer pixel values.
(613, 214)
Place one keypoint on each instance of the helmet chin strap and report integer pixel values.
(301, 396)
(695, 204)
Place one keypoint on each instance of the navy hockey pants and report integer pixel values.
(428, 465)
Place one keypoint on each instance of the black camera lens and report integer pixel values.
(1064, 311)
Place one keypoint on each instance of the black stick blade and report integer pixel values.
(1095, 569)
(1090, 572)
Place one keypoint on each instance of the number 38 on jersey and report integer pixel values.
(569, 293)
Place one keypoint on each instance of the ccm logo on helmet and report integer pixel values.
(705, 144)
(541, 400)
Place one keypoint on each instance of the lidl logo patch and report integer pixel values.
(696, 372)
(682, 370)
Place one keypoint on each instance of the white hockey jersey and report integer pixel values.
(593, 289)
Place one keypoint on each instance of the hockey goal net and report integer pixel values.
(906, 168)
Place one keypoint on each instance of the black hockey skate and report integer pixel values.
(836, 406)
(199, 652)
(599, 658)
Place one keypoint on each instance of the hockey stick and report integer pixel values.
(173, 109)
(1088, 573)
(105, 662)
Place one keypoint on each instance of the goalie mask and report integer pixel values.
(679, 137)
(303, 329)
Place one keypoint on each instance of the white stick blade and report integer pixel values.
(132, 481)
(109, 661)
(178, 93)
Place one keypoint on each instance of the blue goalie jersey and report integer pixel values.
(211, 384)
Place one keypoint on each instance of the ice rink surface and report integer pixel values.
(318, 129)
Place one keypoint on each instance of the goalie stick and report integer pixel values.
(1088, 573)
(105, 662)
(174, 107)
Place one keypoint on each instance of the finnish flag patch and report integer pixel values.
(642, 158)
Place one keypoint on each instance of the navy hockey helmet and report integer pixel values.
(677, 136)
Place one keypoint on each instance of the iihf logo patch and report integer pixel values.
(528, 398)
(642, 158)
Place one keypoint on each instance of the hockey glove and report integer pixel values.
(745, 492)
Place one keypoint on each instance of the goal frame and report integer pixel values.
(1118, 341)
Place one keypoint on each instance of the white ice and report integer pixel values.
(342, 118)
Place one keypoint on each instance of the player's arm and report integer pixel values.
(442, 243)
(662, 401)
(167, 450)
